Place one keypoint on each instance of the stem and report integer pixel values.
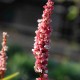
(1, 75)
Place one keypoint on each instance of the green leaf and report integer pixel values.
(11, 76)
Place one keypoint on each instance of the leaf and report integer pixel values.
(11, 76)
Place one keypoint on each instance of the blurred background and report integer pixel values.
(19, 19)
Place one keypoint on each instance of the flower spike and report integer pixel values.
(3, 55)
(42, 42)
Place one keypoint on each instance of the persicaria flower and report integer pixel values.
(3, 56)
(42, 42)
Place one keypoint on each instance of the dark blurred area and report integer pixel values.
(19, 19)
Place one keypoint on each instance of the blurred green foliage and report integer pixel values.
(22, 62)
(73, 13)
(65, 71)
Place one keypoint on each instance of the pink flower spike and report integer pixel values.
(3, 56)
(42, 41)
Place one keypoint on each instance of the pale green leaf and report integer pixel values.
(11, 76)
